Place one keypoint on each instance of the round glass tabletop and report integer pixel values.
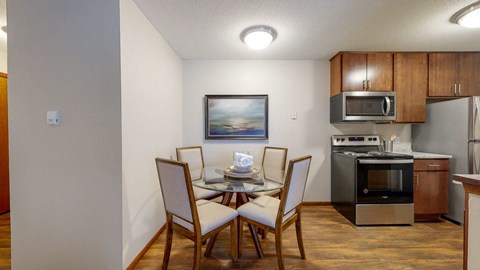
(220, 178)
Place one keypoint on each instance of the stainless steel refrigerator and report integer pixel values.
(452, 127)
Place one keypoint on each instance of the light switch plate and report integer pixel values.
(53, 118)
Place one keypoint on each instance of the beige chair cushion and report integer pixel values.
(192, 156)
(201, 193)
(265, 193)
(274, 158)
(297, 184)
(211, 216)
(263, 209)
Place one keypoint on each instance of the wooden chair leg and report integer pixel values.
(210, 244)
(240, 236)
(197, 253)
(168, 244)
(298, 229)
(256, 242)
(234, 240)
(278, 248)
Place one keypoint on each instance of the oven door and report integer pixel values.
(384, 181)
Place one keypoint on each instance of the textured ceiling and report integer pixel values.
(309, 29)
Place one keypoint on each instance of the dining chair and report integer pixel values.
(193, 155)
(275, 158)
(197, 220)
(275, 215)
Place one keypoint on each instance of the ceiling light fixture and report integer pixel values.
(258, 37)
(469, 16)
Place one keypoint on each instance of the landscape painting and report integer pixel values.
(236, 117)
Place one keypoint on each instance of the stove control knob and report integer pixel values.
(343, 139)
(370, 139)
(365, 190)
(374, 139)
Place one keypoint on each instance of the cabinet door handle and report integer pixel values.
(459, 88)
(433, 165)
(364, 85)
(455, 89)
(369, 84)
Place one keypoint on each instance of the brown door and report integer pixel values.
(4, 172)
(468, 79)
(411, 83)
(442, 74)
(430, 192)
(380, 72)
(354, 71)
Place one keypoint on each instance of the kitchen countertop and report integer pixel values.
(423, 155)
(470, 179)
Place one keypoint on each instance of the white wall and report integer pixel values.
(66, 182)
(3, 62)
(151, 124)
(292, 86)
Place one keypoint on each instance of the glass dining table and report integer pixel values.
(224, 179)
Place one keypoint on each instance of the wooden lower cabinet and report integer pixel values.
(430, 188)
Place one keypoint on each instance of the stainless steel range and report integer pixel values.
(370, 187)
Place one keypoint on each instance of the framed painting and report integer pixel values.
(236, 117)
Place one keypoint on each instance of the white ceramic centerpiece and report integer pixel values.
(242, 162)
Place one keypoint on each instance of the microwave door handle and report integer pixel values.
(387, 101)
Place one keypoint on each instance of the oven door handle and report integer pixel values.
(385, 161)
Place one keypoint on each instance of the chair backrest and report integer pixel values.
(274, 157)
(192, 155)
(295, 182)
(176, 189)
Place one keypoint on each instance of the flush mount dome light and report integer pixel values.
(469, 16)
(258, 37)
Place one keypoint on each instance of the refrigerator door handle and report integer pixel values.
(474, 160)
(476, 119)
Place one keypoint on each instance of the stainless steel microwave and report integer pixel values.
(362, 106)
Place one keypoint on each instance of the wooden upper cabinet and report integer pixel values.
(354, 71)
(410, 86)
(351, 71)
(380, 71)
(454, 74)
(469, 74)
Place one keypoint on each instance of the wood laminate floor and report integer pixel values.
(331, 242)
(5, 241)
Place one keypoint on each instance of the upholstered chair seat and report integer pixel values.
(198, 220)
(275, 215)
(210, 214)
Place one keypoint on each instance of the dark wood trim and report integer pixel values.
(319, 203)
(144, 250)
